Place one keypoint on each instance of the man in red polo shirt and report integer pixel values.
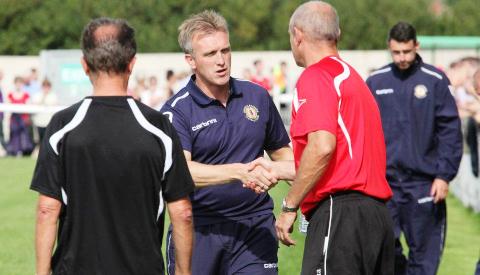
(339, 156)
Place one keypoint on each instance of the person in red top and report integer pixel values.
(20, 142)
(340, 156)
(259, 78)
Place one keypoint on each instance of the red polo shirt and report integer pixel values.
(331, 96)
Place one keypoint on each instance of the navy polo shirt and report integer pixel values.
(237, 133)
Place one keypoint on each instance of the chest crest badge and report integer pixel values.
(251, 112)
(420, 91)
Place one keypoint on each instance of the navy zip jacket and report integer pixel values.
(420, 122)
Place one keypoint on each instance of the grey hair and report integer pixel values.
(318, 20)
(110, 52)
(207, 21)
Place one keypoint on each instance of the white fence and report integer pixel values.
(465, 186)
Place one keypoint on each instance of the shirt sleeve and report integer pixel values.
(178, 182)
(448, 131)
(47, 176)
(315, 105)
(181, 126)
(276, 135)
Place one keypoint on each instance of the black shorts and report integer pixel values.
(349, 233)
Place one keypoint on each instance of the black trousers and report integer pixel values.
(349, 233)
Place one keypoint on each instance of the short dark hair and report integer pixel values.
(402, 32)
(170, 74)
(110, 51)
(46, 83)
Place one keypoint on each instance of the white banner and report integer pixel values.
(29, 108)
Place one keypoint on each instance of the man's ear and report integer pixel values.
(131, 64)
(298, 36)
(85, 66)
(191, 61)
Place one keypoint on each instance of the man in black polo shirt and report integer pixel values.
(106, 168)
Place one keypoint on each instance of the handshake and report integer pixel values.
(260, 175)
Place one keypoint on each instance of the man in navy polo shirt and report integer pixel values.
(225, 125)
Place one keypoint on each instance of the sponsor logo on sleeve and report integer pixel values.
(384, 91)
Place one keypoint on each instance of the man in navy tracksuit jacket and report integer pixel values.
(424, 148)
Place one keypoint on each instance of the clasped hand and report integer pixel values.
(260, 175)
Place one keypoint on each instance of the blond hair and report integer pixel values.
(207, 21)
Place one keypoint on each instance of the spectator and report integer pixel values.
(473, 123)
(32, 85)
(171, 82)
(152, 96)
(280, 78)
(460, 75)
(247, 74)
(140, 87)
(259, 78)
(45, 98)
(2, 138)
(182, 80)
(20, 142)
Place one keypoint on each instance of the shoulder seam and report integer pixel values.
(76, 120)
(381, 71)
(144, 123)
(175, 101)
(251, 82)
(432, 73)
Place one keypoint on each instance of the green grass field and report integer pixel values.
(17, 209)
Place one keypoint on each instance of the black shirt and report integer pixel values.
(112, 161)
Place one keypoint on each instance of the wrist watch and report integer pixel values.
(285, 208)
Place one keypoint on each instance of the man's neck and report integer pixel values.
(318, 51)
(219, 93)
(110, 85)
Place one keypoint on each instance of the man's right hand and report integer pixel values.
(258, 178)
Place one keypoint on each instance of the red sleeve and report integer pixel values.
(317, 106)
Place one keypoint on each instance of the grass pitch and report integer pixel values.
(17, 213)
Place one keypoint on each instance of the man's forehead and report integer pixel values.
(205, 42)
(401, 45)
(199, 35)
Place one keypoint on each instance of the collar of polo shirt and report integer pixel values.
(201, 98)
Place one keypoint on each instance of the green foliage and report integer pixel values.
(28, 26)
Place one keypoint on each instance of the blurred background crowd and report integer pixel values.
(21, 133)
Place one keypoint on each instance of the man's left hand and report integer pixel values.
(439, 190)
(284, 226)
